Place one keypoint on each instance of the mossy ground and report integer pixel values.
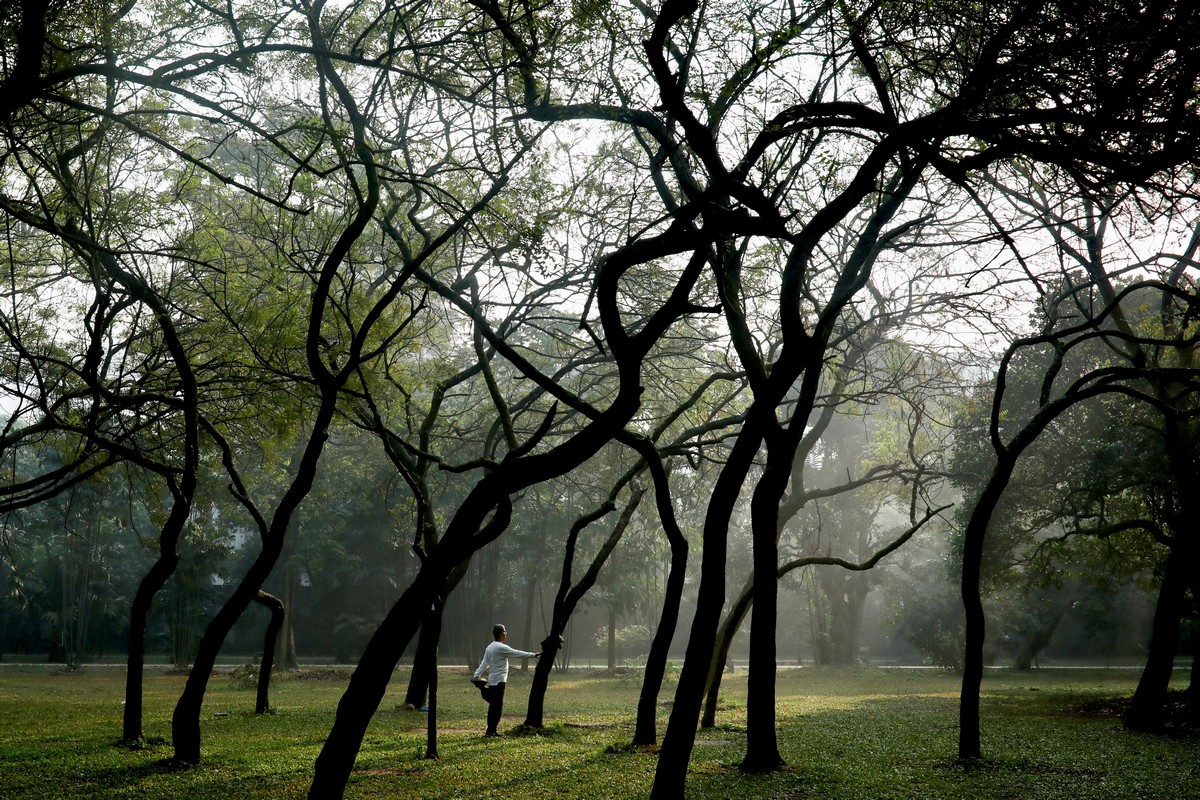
(865, 734)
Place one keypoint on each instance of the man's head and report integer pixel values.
(499, 633)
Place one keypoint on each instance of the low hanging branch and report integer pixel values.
(891, 547)
(741, 606)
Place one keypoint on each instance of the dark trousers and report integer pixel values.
(495, 700)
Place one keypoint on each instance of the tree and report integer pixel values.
(988, 84)
(869, 453)
(1096, 307)
(65, 168)
(357, 303)
(569, 594)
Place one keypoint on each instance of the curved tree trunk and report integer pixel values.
(972, 561)
(680, 736)
(972, 569)
(262, 704)
(1148, 711)
(367, 686)
(645, 729)
(567, 599)
(725, 636)
(536, 709)
(369, 681)
(185, 721)
(183, 494)
(139, 614)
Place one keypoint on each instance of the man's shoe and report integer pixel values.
(496, 734)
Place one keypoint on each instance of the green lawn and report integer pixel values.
(859, 734)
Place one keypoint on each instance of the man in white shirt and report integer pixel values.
(495, 664)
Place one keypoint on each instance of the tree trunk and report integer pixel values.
(536, 708)
(139, 614)
(725, 636)
(567, 598)
(680, 737)
(185, 722)
(846, 595)
(429, 640)
(762, 745)
(424, 661)
(467, 531)
(433, 623)
(972, 566)
(1036, 640)
(1148, 711)
(368, 683)
(262, 703)
(645, 729)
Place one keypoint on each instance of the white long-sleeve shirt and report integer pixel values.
(495, 662)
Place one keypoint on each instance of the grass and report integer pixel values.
(846, 734)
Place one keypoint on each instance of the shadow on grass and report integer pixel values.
(135, 772)
(1182, 718)
(147, 743)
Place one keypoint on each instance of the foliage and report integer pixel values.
(931, 618)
